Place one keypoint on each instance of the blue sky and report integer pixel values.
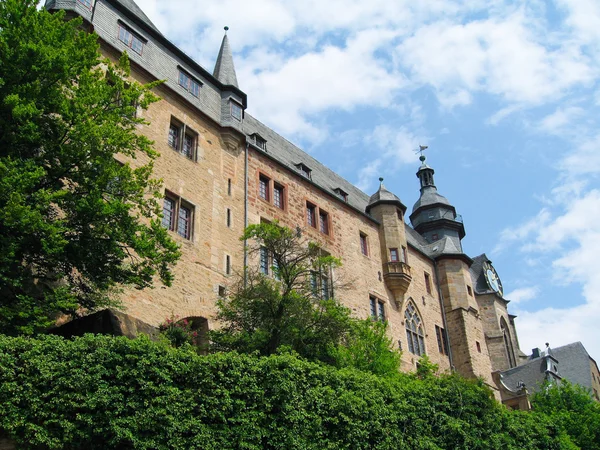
(505, 94)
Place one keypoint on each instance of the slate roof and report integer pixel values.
(384, 196)
(429, 196)
(278, 148)
(573, 365)
(224, 68)
(135, 9)
(479, 282)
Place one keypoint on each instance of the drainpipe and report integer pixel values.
(439, 289)
(246, 212)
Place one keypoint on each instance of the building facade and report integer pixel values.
(223, 169)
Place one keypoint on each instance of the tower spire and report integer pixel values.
(224, 68)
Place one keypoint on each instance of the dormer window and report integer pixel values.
(304, 170)
(260, 142)
(128, 37)
(189, 83)
(236, 110)
(341, 194)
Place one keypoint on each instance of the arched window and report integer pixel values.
(414, 330)
(508, 343)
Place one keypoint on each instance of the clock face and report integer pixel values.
(492, 278)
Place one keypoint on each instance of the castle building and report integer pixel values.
(223, 169)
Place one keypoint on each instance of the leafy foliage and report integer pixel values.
(367, 347)
(290, 309)
(573, 409)
(178, 332)
(74, 222)
(100, 392)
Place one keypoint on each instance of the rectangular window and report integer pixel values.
(188, 145)
(229, 186)
(428, 283)
(364, 248)
(227, 265)
(323, 222)
(189, 83)
(377, 309)
(278, 195)
(314, 283)
(264, 261)
(341, 194)
(325, 293)
(260, 142)
(173, 138)
(478, 346)
(228, 218)
(128, 37)
(394, 255)
(404, 255)
(311, 219)
(236, 110)
(168, 220)
(263, 187)
(304, 170)
(178, 216)
(185, 221)
(469, 290)
(442, 340)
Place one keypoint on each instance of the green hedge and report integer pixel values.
(100, 392)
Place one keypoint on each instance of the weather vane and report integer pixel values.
(421, 149)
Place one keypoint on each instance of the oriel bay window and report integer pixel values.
(178, 215)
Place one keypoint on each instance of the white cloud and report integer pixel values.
(521, 295)
(501, 55)
(574, 237)
(519, 233)
(556, 122)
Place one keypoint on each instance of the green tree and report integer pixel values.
(292, 306)
(75, 224)
(368, 347)
(571, 408)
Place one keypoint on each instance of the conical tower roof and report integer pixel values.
(384, 196)
(224, 68)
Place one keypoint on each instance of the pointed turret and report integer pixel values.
(432, 215)
(388, 210)
(224, 68)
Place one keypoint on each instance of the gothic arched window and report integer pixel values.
(508, 343)
(414, 330)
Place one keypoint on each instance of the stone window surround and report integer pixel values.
(377, 308)
(364, 243)
(271, 186)
(183, 131)
(317, 218)
(178, 204)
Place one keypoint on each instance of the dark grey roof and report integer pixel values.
(135, 9)
(224, 68)
(430, 196)
(573, 363)
(289, 155)
(478, 277)
(384, 196)
(532, 374)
